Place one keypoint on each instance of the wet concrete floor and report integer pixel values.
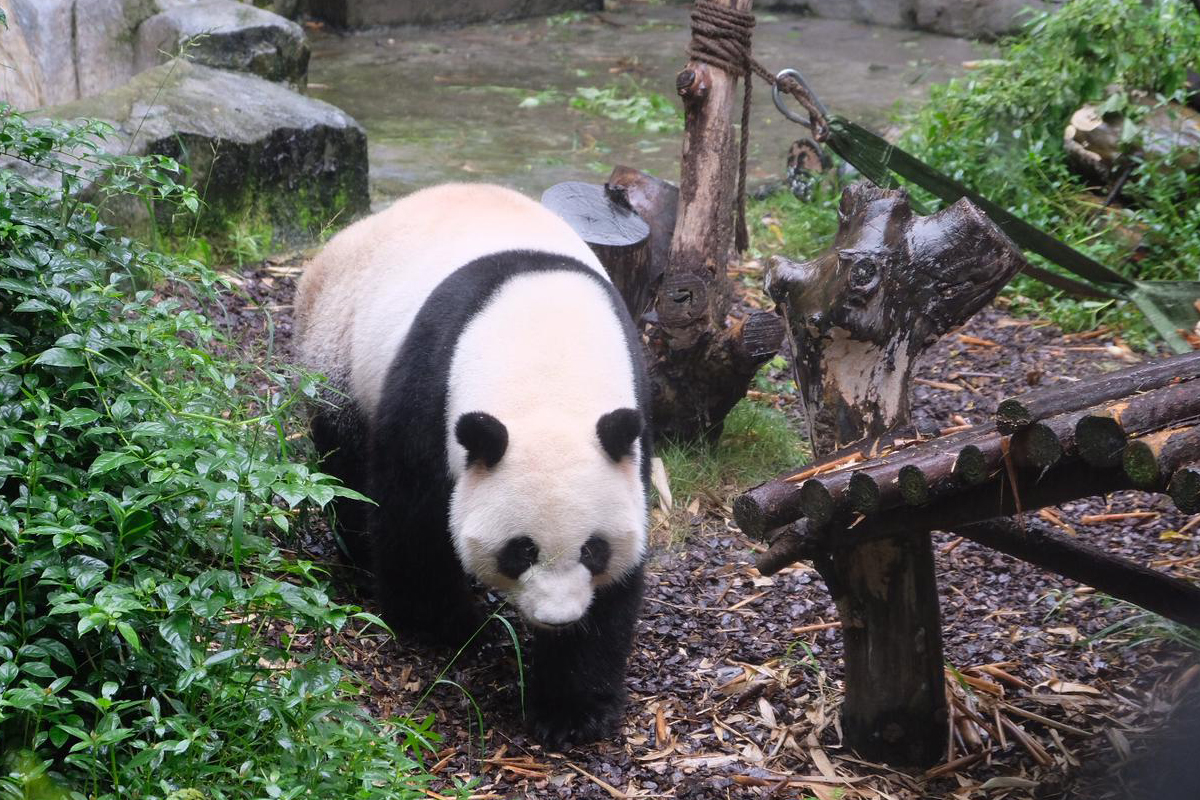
(492, 102)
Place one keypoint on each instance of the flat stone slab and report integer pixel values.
(262, 157)
(226, 34)
(372, 13)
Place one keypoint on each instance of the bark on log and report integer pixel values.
(775, 503)
(702, 363)
(616, 233)
(931, 468)
(860, 313)
(1151, 460)
(858, 316)
(1016, 413)
(656, 201)
(1101, 435)
(1068, 481)
(1036, 543)
(1173, 598)
(1184, 488)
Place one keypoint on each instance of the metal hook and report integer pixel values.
(777, 96)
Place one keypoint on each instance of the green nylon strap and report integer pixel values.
(1166, 304)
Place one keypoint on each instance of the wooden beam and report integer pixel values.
(1016, 413)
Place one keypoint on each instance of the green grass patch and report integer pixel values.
(756, 444)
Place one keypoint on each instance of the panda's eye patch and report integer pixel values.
(516, 556)
(594, 554)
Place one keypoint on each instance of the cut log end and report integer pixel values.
(863, 494)
(1038, 445)
(914, 487)
(1012, 416)
(817, 502)
(1100, 440)
(1140, 461)
(971, 466)
(750, 516)
(1184, 488)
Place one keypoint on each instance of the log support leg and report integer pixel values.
(886, 595)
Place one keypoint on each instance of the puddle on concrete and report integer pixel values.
(443, 105)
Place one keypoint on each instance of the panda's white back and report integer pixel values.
(359, 295)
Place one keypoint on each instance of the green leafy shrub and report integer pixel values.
(154, 641)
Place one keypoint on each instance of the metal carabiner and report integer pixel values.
(777, 96)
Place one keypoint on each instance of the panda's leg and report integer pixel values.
(577, 690)
(340, 440)
(420, 585)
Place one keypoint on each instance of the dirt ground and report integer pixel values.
(735, 682)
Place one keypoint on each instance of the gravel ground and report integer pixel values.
(735, 681)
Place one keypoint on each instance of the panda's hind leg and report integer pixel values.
(577, 690)
(340, 439)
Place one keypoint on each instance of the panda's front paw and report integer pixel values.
(572, 722)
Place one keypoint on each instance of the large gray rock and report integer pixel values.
(369, 13)
(977, 19)
(264, 158)
(103, 37)
(228, 35)
(47, 30)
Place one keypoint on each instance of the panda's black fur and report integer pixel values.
(398, 458)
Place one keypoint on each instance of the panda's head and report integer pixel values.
(547, 510)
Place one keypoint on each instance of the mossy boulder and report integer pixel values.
(228, 35)
(261, 156)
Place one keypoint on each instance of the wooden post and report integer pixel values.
(701, 361)
(858, 316)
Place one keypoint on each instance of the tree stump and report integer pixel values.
(858, 316)
(701, 361)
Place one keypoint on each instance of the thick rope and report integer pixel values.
(721, 38)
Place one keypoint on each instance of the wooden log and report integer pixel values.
(1032, 541)
(877, 486)
(1184, 488)
(701, 362)
(1043, 443)
(1016, 413)
(794, 543)
(618, 236)
(656, 201)
(1151, 460)
(895, 703)
(1101, 435)
(776, 503)
(861, 312)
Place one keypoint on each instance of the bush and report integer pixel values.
(153, 639)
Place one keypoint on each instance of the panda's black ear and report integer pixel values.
(484, 437)
(618, 430)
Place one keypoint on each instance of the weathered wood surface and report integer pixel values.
(988, 500)
(656, 201)
(1151, 460)
(861, 313)
(1184, 488)
(1016, 413)
(1101, 435)
(618, 236)
(701, 361)
(858, 316)
(1037, 543)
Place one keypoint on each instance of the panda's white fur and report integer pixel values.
(546, 357)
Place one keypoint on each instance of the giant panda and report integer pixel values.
(489, 394)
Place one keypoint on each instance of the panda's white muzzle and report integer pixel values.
(553, 597)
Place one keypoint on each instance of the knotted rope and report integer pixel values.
(721, 38)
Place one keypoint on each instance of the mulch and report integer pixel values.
(735, 683)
